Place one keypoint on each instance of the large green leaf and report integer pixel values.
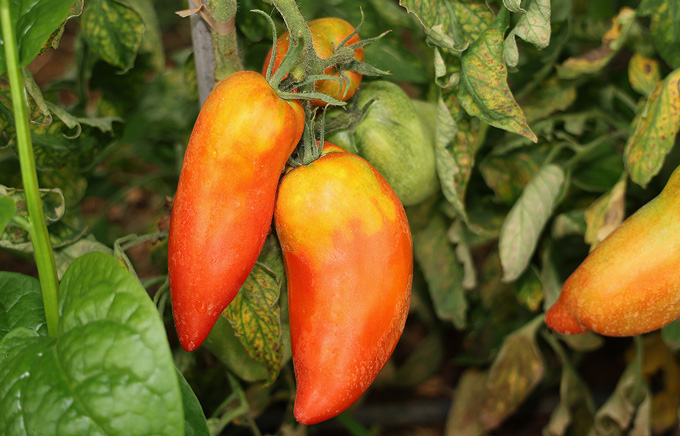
(108, 372)
(21, 304)
(655, 131)
(34, 22)
(195, 423)
(483, 91)
(113, 30)
(527, 218)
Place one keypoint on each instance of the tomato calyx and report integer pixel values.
(310, 147)
(302, 67)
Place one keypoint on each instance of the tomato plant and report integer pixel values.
(553, 130)
(225, 198)
(348, 256)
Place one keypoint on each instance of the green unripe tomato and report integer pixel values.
(392, 139)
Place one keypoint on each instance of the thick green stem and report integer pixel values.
(300, 34)
(225, 45)
(42, 248)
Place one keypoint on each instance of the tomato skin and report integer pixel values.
(327, 34)
(224, 203)
(348, 255)
(630, 283)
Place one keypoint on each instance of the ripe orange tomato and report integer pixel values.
(224, 203)
(348, 256)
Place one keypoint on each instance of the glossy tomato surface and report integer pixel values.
(224, 203)
(349, 264)
(327, 34)
(630, 283)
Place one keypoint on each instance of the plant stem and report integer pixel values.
(300, 34)
(225, 46)
(42, 248)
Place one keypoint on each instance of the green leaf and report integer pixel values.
(671, 335)
(483, 91)
(109, 371)
(437, 258)
(34, 22)
(21, 304)
(617, 414)
(113, 31)
(64, 258)
(643, 74)
(513, 375)
(8, 209)
(595, 60)
(605, 214)
(527, 218)
(533, 27)
(455, 146)
(569, 223)
(552, 95)
(508, 175)
(52, 200)
(574, 414)
(530, 290)
(255, 316)
(665, 28)
(227, 347)
(152, 41)
(451, 25)
(195, 423)
(655, 131)
(514, 5)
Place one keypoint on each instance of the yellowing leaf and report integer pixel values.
(655, 132)
(254, 314)
(605, 214)
(483, 90)
(643, 74)
(113, 31)
(593, 61)
(665, 28)
(515, 372)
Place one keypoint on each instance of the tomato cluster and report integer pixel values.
(343, 231)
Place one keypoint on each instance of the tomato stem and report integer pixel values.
(225, 45)
(37, 227)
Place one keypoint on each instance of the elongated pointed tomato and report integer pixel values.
(349, 263)
(224, 203)
(630, 283)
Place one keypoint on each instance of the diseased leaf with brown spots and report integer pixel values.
(255, 316)
(483, 90)
(665, 27)
(463, 419)
(552, 95)
(113, 31)
(594, 60)
(451, 25)
(605, 214)
(514, 374)
(656, 129)
(643, 74)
